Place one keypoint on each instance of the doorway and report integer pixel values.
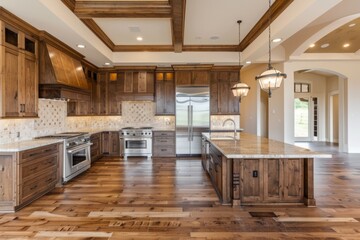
(302, 124)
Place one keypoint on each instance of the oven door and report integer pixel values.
(77, 160)
(137, 146)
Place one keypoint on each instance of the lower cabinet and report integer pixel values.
(27, 175)
(110, 143)
(215, 170)
(164, 144)
(270, 180)
(95, 148)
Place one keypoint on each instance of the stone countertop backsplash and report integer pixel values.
(52, 118)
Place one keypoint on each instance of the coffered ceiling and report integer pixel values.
(175, 25)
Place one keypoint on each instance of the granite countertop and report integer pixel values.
(251, 146)
(28, 144)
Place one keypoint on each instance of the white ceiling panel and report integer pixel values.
(124, 31)
(215, 22)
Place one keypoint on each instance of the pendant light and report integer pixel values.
(270, 79)
(240, 89)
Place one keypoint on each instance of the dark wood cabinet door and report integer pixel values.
(183, 78)
(273, 179)
(30, 97)
(251, 180)
(222, 100)
(293, 180)
(11, 76)
(102, 86)
(114, 144)
(200, 78)
(165, 94)
(114, 96)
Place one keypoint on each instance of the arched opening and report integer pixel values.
(319, 107)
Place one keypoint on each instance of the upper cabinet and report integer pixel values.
(18, 73)
(165, 92)
(134, 84)
(198, 75)
(222, 100)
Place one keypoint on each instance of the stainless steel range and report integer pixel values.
(136, 142)
(77, 157)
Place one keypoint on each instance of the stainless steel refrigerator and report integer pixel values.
(192, 118)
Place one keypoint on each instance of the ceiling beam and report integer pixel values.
(91, 24)
(211, 48)
(275, 10)
(123, 9)
(143, 48)
(178, 22)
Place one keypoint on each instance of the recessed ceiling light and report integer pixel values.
(275, 40)
(312, 45)
(80, 46)
(325, 45)
(351, 25)
(346, 45)
(248, 62)
(139, 38)
(106, 64)
(214, 37)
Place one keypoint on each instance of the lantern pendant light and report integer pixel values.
(270, 79)
(240, 89)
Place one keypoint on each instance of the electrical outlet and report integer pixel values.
(255, 173)
(17, 134)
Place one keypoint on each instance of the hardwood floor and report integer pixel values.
(174, 199)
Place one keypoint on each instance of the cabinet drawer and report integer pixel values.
(43, 183)
(33, 167)
(38, 152)
(164, 133)
(160, 141)
(165, 151)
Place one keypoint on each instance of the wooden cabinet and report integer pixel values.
(135, 85)
(216, 171)
(222, 100)
(165, 93)
(192, 78)
(271, 180)
(27, 175)
(19, 78)
(114, 93)
(95, 149)
(164, 144)
(110, 143)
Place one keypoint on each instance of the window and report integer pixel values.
(301, 87)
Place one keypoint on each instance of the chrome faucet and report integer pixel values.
(231, 120)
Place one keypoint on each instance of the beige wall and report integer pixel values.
(253, 108)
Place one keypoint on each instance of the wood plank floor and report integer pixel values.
(174, 199)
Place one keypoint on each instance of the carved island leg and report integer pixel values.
(309, 198)
(236, 183)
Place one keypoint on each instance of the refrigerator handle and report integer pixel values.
(189, 122)
(191, 125)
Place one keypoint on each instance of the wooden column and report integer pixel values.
(236, 182)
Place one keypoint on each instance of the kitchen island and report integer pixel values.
(249, 170)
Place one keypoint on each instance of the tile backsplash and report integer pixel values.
(53, 119)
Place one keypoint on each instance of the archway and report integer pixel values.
(319, 95)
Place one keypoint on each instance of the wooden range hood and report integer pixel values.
(60, 73)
